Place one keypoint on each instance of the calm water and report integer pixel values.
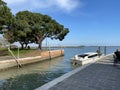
(34, 75)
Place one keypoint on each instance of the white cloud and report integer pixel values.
(14, 1)
(68, 5)
(63, 5)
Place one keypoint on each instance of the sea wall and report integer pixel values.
(52, 54)
(46, 55)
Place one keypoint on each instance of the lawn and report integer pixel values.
(5, 52)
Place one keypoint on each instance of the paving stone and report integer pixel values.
(98, 76)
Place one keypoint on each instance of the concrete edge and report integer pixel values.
(59, 79)
(9, 63)
(50, 84)
(36, 57)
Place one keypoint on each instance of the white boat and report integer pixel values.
(81, 59)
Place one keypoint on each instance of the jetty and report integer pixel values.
(99, 75)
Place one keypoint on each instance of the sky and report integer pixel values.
(91, 22)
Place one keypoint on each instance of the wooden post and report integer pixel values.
(49, 51)
(105, 50)
(99, 52)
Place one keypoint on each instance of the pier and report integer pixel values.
(100, 75)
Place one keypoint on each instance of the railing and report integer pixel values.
(16, 59)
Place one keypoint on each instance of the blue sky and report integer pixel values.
(91, 22)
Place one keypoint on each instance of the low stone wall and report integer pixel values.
(52, 54)
(43, 56)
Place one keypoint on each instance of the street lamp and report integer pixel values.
(4, 29)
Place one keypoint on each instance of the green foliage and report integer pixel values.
(39, 27)
(6, 16)
(28, 27)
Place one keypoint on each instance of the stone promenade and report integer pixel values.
(101, 75)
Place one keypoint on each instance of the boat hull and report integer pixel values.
(83, 62)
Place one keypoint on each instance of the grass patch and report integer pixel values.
(5, 52)
(21, 51)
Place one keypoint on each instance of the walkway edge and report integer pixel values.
(50, 84)
(61, 78)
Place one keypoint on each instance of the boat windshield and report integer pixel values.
(83, 55)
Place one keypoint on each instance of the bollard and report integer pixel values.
(105, 50)
(99, 52)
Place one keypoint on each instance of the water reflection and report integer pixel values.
(39, 67)
(34, 75)
(28, 81)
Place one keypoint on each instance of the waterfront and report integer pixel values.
(34, 75)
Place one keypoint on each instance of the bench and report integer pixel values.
(116, 57)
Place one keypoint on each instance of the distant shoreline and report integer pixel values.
(76, 46)
(64, 47)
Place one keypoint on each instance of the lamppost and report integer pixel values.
(4, 30)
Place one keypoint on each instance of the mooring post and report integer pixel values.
(99, 52)
(49, 51)
(105, 50)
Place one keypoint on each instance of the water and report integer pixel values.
(34, 75)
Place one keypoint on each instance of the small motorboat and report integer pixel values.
(81, 59)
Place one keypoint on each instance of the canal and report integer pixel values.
(35, 75)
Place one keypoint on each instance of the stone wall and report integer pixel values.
(46, 55)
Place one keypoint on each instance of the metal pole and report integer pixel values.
(18, 52)
(18, 63)
(46, 44)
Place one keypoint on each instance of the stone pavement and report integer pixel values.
(101, 75)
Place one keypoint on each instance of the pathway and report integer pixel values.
(101, 75)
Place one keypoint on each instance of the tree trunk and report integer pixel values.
(22, 45)
(40, 45)
(26, 45)
(39, 41)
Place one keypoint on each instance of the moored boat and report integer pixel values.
(81, 59)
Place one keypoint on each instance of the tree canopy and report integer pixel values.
(6, 17)
(29, 27)
(38, 27)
